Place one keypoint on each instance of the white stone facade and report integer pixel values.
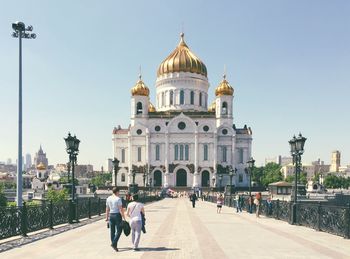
(181, 143)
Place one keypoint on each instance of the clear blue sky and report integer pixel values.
(288, 61)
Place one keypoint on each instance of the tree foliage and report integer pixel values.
(271, 173)
(101, 180)
(3, 200)
(57, 195)
(336, 182)
(64, 180)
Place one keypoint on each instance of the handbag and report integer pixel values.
(126, 227)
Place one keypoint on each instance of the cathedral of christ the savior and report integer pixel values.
(181, 141)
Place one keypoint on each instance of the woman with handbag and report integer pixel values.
(134, 211)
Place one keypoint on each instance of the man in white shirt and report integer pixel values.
(134, 212)
(115, 214)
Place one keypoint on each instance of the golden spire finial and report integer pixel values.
(224, 75)
(182, 35)
(140, 73)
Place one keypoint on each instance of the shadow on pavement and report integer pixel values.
(162, 248)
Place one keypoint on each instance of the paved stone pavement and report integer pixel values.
(176, 230)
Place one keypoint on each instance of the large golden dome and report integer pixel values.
(182, 60)
(224, 88)
(140, 88)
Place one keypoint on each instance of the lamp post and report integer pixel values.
(115, 162)
(150, 185)
(20, 31)
(232, 172)
(133, 176)
(72, 147)
(250, 163)
(68, 171)
(220, 182)
(144, 178)
(296, 150)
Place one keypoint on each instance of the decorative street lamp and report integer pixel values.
(72, 147)
(144, 178)
(68, 171)
(150, 184)
(20, 31)
(249, 171)
(232, 172)
(296, 150)
(115, 162)
(133, 175)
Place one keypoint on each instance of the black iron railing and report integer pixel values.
(319, 216)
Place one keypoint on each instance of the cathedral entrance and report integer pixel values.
(205, 179)
(181, 177)
(157, 181)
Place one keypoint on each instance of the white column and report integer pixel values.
(195, 175)
(215, 155)
(166, 175)
(148, 159)
(129, 159)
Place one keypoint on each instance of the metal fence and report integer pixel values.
(23, 220)
(319, 216)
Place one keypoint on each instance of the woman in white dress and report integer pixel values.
(134, 213)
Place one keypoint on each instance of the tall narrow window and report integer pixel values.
(240, 155)
(176, 152)
(157, 152)
(224, 108)
(200, 99)
(171, 98)
(139, 108)
(163, 99)
(182, 97)
(186, 153)
(123, 155)
(139, 154)
(205, 152)
(192, 97)
(181, 152)
(240, 178)
(123, 177)
(224, 154)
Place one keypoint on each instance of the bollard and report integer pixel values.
(76, 210)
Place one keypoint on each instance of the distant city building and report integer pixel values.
(83, 170)
(28, 161)
(280, 160)
(109, 165)
(288, 170)
(40, 157)
(320, 167)
(335, 161)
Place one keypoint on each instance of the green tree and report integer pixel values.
(57, 195)
(101, 179)
(257, 174)
(3, 200)
(303, 178)
(271, 173)
(332, 181)
(64, 180)
(290, 179)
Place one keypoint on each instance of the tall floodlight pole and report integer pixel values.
(20, 31)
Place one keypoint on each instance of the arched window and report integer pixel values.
(171, 99)
(157, 152)
(224, 108)
(200, 99)
(205, 152)
(123, 177)
(192, 97)
(139, 108)
(182, 97)
(163, 99)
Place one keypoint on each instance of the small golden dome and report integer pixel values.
(224, 88)
(212, 107)
(182, 60)
(41, 166)
(151, 108)
(140, 88)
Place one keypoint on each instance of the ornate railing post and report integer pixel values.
(319, 216)
(24, 220)
(89, 208)
(51, 215)
(347, 218)
(76, 210)
(71, 211)
(99, 206)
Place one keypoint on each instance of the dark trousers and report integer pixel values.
(193, 204)
(115, 220)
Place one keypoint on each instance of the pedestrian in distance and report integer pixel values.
(250, 204)
(134, 211)
(269, 206)
(193, 198)
(238, 200)
(114, 217)
(219, 202)
(257, 204)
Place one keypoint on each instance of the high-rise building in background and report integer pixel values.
(9, 161)
(335, 161)
(28, 161)
(40, 157)
(109, 165)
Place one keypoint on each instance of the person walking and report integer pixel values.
(250, 204)
(114, 216)
(134, 211)
(238, 203)
(193, 198)
(219, 202)
(257, 204)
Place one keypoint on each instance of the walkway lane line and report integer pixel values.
(158, 247)
(209, 247)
